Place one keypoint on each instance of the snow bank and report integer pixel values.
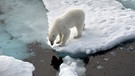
(72, 67)
(10, 66)
(21, 22)
(107, 24)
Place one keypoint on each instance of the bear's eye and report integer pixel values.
(53, 35)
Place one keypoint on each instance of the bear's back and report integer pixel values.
(75, 13)
(72, 17)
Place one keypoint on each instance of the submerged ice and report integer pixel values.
(128, 3)
(22, 22)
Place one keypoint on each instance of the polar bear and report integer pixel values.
(62, 24)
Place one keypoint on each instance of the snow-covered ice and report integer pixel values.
(107, 23)
(10, 66)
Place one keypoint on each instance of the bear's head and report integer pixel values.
(52, 36)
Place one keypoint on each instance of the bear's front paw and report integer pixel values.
(58, 42)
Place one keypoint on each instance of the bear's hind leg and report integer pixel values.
(60, 38)
(79, 30)
(65, 35)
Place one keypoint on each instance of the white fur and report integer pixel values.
(63, 23)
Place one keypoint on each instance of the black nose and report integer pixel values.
(51, 42)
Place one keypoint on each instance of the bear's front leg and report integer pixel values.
(60, 38)
(65, 35)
